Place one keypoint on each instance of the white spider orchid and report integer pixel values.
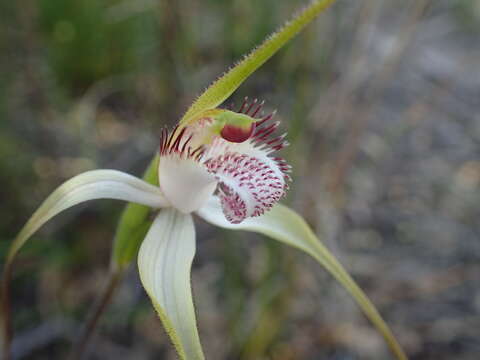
(218, 164)
(226, 155)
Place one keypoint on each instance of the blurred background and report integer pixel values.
(381, 99)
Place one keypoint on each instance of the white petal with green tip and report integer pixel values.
(91, 185)
(164, 264)
(285, 225)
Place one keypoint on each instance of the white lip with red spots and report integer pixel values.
(243, 174)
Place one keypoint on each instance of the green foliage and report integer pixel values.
(86, 40)
(468, 14)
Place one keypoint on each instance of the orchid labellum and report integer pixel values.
(217, 163)
(227, 154)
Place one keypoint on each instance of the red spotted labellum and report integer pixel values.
(233, 162)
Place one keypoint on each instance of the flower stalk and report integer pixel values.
(7, 333)
(80, 346)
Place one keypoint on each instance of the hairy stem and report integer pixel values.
(80, 346)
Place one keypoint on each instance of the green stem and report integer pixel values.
(7, 329)
(81, 344)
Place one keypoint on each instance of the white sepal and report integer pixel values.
(164, 264)
(91, 185)
(285, 225)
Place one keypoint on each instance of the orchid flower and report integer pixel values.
(219, 164)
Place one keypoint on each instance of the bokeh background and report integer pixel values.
(381, 99)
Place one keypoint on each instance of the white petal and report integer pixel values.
(164, 264)
(185, 182)
(91, 185)
(285, 225)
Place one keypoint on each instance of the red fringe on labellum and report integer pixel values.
(173, 143)
(265, 127)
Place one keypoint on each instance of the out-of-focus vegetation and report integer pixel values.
(381, 100)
